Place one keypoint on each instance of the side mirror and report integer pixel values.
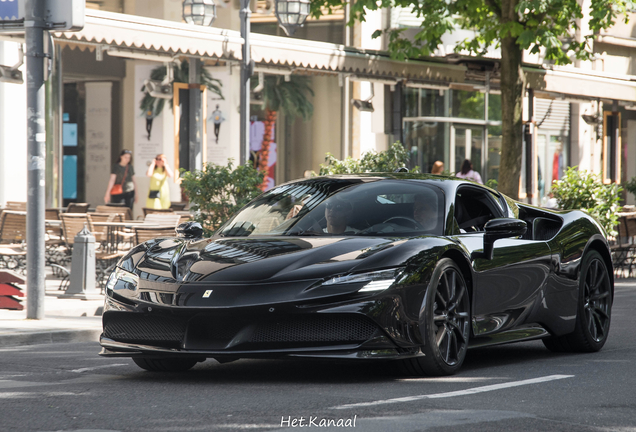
(190, 230)
(497, 229)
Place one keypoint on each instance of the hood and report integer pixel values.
(273, 259)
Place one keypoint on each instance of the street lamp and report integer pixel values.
(199, 12)
(292, 14)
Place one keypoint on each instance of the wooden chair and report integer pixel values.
(178, 206)
(104, 259)
(148, 211)
(101, 232)
(12, 236)
(125, 212)
(162, 219)
(77, 208)
(624, 247)
(16, 206)
(143, 234)
(72, 223)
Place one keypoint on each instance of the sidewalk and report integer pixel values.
(65, 320)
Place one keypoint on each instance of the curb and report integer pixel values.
(49, 337)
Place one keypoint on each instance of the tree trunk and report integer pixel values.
(270, 119)
(513, 84)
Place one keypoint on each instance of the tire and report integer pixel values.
(594, 310)
(444, 324)
(165, 364)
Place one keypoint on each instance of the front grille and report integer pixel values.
(139, 328)
(328, 328)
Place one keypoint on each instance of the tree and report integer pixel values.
(547, 26)
(290, 97)
(218, 191)
(181, 74)
(389, 160)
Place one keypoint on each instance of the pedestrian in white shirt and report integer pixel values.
(468, 173)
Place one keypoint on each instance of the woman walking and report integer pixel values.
(121, 185)
(159, 193)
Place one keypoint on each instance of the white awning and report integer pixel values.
(166, 39)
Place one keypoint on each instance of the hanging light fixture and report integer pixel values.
(199, 12)
(292, 14)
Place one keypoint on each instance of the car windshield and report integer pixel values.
(342, 207)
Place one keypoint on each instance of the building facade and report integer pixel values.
(444, 108)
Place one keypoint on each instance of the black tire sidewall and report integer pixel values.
(581, 323)
(432, 354)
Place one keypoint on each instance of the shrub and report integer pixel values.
(218, 191)
(386, 161)
(584, 190)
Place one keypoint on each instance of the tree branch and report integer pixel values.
(494, 6)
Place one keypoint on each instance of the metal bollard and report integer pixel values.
(82, 280)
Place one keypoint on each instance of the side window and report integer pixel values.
(475, 207)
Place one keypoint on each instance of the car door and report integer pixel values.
(507, 288)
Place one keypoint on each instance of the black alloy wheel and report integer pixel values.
(444, 323)
(594, 310)
(166, 364)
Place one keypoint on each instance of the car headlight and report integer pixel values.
(129, 280)
(375, 281)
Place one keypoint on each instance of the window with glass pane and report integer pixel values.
(426, 141)
(466, 104)
(494, 107)
(493, 159)
(411, 102)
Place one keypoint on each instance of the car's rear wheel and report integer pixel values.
(593, 311)
(165, 364)
(444, 323)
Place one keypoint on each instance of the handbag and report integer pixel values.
(154, 194)
(117, 188)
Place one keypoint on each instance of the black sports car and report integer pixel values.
(416, 268)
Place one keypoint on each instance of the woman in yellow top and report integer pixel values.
(159, 193)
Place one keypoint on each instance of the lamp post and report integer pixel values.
(247, 68)
(203, 13)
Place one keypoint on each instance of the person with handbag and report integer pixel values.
(159, 193)
(122, 186)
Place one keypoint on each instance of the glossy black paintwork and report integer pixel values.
(527, 290)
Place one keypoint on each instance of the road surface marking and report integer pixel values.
(97, 367)
(456, 393)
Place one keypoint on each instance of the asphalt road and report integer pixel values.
(518, 387)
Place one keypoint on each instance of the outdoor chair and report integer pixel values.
(178, 206)
(105, 259)
(148, 211)
(77, 208)
(624, 247)
(16, 206)
(143, 234)
(12, 238)
(163, 219)
(125, 212)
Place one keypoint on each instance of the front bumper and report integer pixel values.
(334, 331)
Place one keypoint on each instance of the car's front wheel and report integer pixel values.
(444, 323)
(594, 309)
(165, 364)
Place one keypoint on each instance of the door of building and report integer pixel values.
(467, 142)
